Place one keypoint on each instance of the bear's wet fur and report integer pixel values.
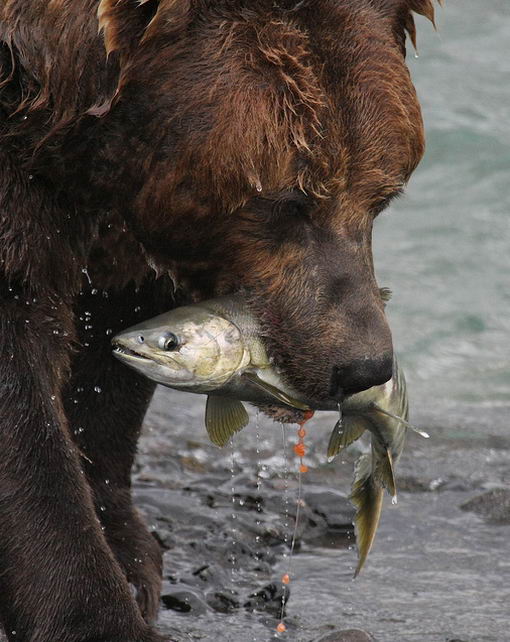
(160, 151)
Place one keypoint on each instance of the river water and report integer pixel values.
(437, 572)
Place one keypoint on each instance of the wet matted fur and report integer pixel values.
(156, 151)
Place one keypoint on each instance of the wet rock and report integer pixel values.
(349, 635)
(270, 599)
(183, 600)
(223, 601)
(411, 484)
(494, 506)
(164, 538)
(332, 506)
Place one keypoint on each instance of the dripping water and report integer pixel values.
(86, 273)
(259, 485)
(233, 532)
(285, 513)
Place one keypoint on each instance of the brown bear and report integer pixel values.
(160, 151)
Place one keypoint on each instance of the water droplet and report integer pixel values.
(109, 332)
(97, 389)
(102, 509)
(86, 273)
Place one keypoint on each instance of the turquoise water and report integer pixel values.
(444, 248)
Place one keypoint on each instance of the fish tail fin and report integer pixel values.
(346, 430)
(367, 497)
(223, 418)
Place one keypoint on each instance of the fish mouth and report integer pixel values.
(124, 352)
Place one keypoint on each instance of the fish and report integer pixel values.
(383, 411)
(214, 348)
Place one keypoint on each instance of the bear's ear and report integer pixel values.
(123, 22)
(401, 11)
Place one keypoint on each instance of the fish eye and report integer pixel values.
(168, 341)
(140, 338)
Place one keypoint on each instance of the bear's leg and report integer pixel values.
(58, 577)
(59, 580)
(105, 403)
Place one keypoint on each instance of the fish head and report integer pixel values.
(189, 348)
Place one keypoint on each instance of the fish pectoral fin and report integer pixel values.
(346, 431)
(367, 497)
(223, 418)
(272, 390)
(422, 433)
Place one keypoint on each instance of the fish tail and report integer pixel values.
(367, 497)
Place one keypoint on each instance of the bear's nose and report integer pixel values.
(361, 374)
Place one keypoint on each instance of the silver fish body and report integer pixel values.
(211, 348)
(217, 343)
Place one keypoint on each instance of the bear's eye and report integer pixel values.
(384, 200)
(168, 341)
(293, 205)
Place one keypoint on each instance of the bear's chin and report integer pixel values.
(284, 415)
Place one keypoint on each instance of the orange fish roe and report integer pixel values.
(301, 433)
(281, 628)
(286, 578)
(307, 415)
(299, 449)
(303, 468)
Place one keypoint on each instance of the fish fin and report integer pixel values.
(367, 497)
(272, 390)
(422, 433)
(346, 430)
(223, 418)
(387, 473)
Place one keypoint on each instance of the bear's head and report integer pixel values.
(268, 137)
